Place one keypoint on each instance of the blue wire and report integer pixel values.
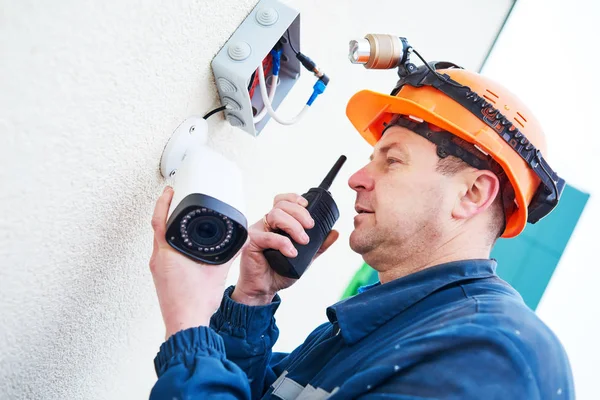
(318, 88)
(276, 61)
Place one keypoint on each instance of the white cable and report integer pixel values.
(267, 103)
(272, 90)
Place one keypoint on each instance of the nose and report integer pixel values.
(361, 180)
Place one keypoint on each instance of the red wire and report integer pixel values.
(267, 64)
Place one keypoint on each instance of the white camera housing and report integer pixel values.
(206, 220)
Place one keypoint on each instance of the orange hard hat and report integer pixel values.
(370, 112)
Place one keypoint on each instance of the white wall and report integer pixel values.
(546, 53)
(90, 92)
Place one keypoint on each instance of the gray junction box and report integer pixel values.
(235, 63)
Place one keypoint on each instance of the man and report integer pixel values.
(449, 174)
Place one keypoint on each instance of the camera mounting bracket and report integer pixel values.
(190, 133)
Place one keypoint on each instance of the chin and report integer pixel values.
(359, 242)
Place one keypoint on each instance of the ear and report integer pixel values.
(482, 187)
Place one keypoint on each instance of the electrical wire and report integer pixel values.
(435, 72)
(263, 91)
(267, 65)
(251, 80)
(318, 88)
(216, 110)
(287, 32)
(259, 117)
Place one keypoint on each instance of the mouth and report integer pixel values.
(363, 210)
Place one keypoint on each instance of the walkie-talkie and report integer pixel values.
(324, 212)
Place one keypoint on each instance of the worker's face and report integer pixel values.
(407, 202)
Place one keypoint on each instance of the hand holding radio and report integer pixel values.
(258, 282)
(286, 241)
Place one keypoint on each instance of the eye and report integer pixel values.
(391, 161)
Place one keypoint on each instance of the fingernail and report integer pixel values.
(305, 237)
(293, 251)
(312, 222)
(302, 201)
(165, 189)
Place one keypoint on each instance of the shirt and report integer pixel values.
(453, 331)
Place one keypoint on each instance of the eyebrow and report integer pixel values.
(388, 147)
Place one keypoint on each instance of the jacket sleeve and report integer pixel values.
(249, 334)
(231, 359)
(191, 364)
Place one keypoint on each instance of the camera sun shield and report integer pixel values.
(206, 229)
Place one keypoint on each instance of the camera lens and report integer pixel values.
(207, 231)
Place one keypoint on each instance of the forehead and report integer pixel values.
(399, 135)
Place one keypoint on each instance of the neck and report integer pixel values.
(461, 247)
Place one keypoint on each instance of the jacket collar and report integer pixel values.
(376, 304)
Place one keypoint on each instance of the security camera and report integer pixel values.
(206, 219)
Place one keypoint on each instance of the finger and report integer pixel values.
(159, 218)
(297, 211)
(292, 198)
(329, 240)
(279, 219)
(270, 240)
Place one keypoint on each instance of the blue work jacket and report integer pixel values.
(453, 331)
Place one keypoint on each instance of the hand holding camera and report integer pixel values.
(188, 292)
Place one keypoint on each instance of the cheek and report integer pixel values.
(411, 198)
